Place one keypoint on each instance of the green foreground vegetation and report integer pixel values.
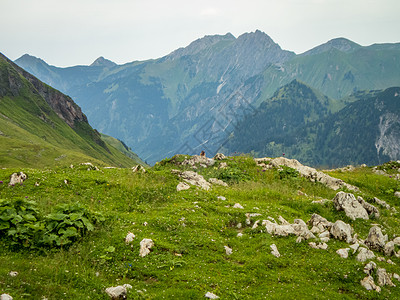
(63, 230)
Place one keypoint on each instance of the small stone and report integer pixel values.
(217, 181)
(396, 276)
(117, 292)
(129, 238)
(274, 250)
(324, 240)
(228, 250)
(239, 234)
(283, 221)
(239, 225)
(299, 239)
(13, 273)
(182, 186)
(6, 297)
(369, 268)
(354, 247)
(344, 253)
(369, 284)
(390, 262)
(376, 240)
(389, 248)
(237, 205)
(145, 246)
(364, 254)
(17, 178)
(383, 277)
(380, 258)
(221, 198)
(210, 295)
(255, 224)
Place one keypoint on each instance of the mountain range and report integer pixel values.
(40, 126)
(193, 98)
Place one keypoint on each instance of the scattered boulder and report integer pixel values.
(138, 168)
(342, 231)
(237, 205)
(348, 203)
(322, 246)
(364, 254)
(223, 165)
(354, 247)
(255, 225)
(118, 292)
(376, 240)
(217, 181)
(389, 249)
(228, 250)
(210, 295)
(381, 203)
(221, 198)
(396, 241)
(369, 268)
(198, 159)
(383, 277)
(129, 238)
(145, 246)
(396, 276)
(274, 250)
(17, 178)
(344, 252)
(371, 210)
(13, 273)
(6, 297)
(397, 194)
(219, 156)
(182, 186)
(369, 284)
(307, 172)
(193, 178)
(319, 223)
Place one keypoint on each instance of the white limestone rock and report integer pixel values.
(364, 254)
(344, 252)
(210, 295)
(369, 284)
(182, 186)
(383, 277)
(376, 240)
(348, 203)
(145, 246)
(342, 231)
(228, 250)
(274, 250)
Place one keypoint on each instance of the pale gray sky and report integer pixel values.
(73, 32)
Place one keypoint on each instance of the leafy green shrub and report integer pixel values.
(22, 224)
(67, 224)
(287, 172)
(19, 221)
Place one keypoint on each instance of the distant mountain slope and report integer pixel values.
(189, 100)
(292, 106)
(40, 126)
(365, 131)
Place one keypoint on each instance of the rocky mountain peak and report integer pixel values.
(102, 62)
(341, 44)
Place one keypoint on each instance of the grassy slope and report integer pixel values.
(188, 261)
(33, 135)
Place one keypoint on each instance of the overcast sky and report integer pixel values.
(76, 32)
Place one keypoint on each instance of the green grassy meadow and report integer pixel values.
(189, 228)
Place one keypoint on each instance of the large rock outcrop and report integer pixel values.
(307, 172)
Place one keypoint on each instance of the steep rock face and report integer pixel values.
(63, 105)
(387, 142)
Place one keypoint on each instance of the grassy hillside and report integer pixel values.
(189, 228)
(33, 134)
